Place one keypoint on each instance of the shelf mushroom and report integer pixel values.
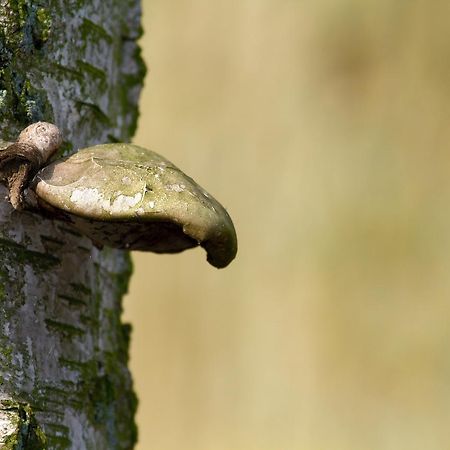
(125, 196)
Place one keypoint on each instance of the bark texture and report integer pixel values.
(64, 381)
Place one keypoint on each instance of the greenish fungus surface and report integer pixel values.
(126, 196)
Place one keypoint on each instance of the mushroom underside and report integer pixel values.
(162, 236)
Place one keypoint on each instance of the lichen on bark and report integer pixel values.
(63, 348)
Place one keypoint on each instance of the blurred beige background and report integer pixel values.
(323, 127)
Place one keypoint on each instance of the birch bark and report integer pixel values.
(64, 381)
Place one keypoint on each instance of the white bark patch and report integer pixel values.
(176, 187)
(89, 199)
(125, 202)
(8, 426)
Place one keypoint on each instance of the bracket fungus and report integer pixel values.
(119, 195)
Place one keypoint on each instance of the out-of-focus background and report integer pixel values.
(323, 127)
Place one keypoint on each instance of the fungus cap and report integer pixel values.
(125, 196)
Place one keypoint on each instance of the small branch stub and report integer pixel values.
(20, 161)
(119, 195)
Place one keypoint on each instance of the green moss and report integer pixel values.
(91, 31)
(88, 321)
(102, 394)
(91, 111)
(81, 288)
(33, 103)
(7, 351)
(25, 29)
(18, 254)
(73, 301)
(127, 83)
(44, 25)
(122, 278)
(3, 96)
(65, 329)
(105, 396)
(66, 73)
(21, 11)
(94, 72)
(56, 442)
(86, 369)
(3, 280)
(28, 435)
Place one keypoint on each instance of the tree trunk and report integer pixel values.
(64, 381)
